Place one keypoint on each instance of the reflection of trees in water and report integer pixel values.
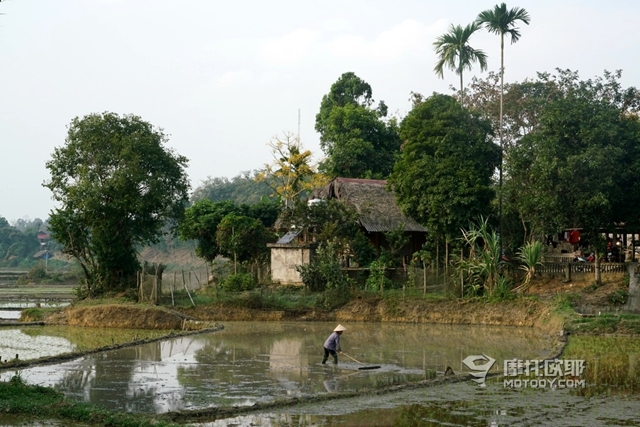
(107, 378)
(227, 368)
(256, 361)
(87, 338)
(413, 415)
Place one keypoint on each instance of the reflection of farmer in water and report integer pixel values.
(332, 345)
(331, 385)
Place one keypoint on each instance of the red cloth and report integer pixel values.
(574, 237)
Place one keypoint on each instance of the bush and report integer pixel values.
(619, 297)
(31, 315)
(377, 279)
(324, 271)
(238, 282)
(35, 274)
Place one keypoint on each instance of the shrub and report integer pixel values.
(32, 315)
(324, 271)
(35, 274)
(619, 297)
(238, 282)
(377, 279)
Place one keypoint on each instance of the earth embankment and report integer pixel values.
(520, 312)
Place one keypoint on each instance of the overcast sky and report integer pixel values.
(223, 78)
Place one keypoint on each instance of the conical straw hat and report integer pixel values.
(339, 328)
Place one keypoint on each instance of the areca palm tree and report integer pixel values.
(454, 52)
(501, 21)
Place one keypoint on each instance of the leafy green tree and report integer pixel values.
(580, 166)
(16, 247)
(117, 186)
(331, 220)
(443, 176)
(267, 211)
(359, 141)
(201, 221)
(242, 238)
(349, 89)
(528, 204)
(455, 53)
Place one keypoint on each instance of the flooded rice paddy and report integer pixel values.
(33, 342)
(11, 310)
(252, 362)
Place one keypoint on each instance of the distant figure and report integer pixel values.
(332, 345)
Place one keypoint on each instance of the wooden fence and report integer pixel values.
(580, 267)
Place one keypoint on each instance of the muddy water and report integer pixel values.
(611, 397)
(32, 342)
(252, 362)
(11, 310)
(9, 314)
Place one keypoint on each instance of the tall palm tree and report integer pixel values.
(455, 53)
(501, 21)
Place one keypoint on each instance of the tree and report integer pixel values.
(242, 238)
(580, 166)
(359, 141)
(443, 176)
(454, 52)
(16, 246)
(201, 222)
(502, 21)
(117, 186)
(202, 219)
(292, 172)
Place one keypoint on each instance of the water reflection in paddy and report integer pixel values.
(611, 397)
(32, 342)
(252, 361)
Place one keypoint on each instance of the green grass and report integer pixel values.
(607, 324)
(42, 403)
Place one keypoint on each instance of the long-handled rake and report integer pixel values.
(363, 367)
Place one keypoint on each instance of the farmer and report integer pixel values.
(332, 345)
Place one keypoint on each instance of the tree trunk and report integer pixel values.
(437, 262)
(461, 90)
(446, 257)
(424, 276)
(598, 275)
(500, 135)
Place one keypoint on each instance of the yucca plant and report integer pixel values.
(530, 255)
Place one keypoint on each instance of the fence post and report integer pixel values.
(187, 289)
(173, 303)
(567, 271)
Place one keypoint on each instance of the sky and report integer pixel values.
(222, 79)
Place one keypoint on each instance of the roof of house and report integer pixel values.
(375, 204)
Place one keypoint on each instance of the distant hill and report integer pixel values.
(240, 189)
